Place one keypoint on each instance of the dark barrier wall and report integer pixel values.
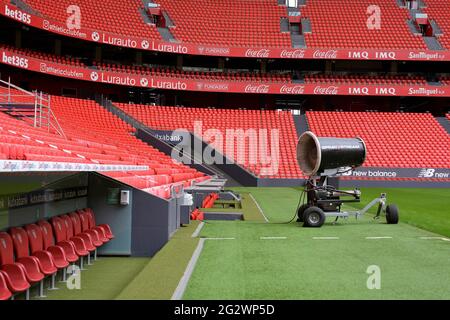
(141, 228)
(116, 215)
(236, 172)
(154, 221)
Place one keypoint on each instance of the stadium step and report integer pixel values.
(169, 22)
(298, 41)
(301, 123)
(25, 7)
(413, 27)
(166, 34)
(284, 25)
(443, 121)
(436, 29)
(433, 43)
(306, 25)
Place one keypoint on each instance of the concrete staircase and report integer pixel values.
(444, 122)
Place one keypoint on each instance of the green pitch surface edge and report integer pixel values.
(330, 262)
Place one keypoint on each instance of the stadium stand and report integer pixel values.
(171, 118)
(71, 61)
(397, 140)
(94, 136)
(344, 25)
(86, 120)
(366, 79)
(102, 15)
(439, 11)
(223, 23)
(196, 75)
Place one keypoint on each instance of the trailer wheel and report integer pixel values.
(301, 211)
(313, 217)
(392, 214)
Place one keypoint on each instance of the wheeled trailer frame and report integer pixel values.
(325, 201)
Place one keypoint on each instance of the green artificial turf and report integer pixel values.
(428, 209)
(104, 280)
(300, 267)
(159, 279)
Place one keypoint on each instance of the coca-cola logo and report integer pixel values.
(320, 54)
(263, 88)
(262, 53)
(292, 54)
(331, 90)
(292, 89)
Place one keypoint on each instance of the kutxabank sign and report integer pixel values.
(99, 36)
(22, 61)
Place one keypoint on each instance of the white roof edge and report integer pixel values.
(47, 166)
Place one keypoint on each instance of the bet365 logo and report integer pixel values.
(427, 173)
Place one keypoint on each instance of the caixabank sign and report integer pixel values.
(99, 36)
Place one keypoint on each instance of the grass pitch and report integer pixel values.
(287, 261)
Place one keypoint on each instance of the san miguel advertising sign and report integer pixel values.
(99, 36)
(22, 61)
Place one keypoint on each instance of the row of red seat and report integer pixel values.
(196, 214)
(209, 200)
(29, 254)
(337, 24)
(265, 124)
(365, 79)
(397, 140)
(122, 18)
(196, 75)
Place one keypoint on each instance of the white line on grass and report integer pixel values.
(197, 230)
(182, 285)
(259, 208)
(325, 238)
(435, 238)
(179, 291)
(272, 238)
(376, 238)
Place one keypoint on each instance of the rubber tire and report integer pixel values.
(300, 212)
(392, 214)
(313, 224)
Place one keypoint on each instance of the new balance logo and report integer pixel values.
(427, 173)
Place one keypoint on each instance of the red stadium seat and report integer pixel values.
(44, 245)
(5, 293)
(64, 252)
(14, 273)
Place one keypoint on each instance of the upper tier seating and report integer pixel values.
(439, 11)
(118, 17)
(239, 23)
(365, 79)
(196, 75)
(403, 140)
(71, 61)
(343, 24)
(171, 118)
